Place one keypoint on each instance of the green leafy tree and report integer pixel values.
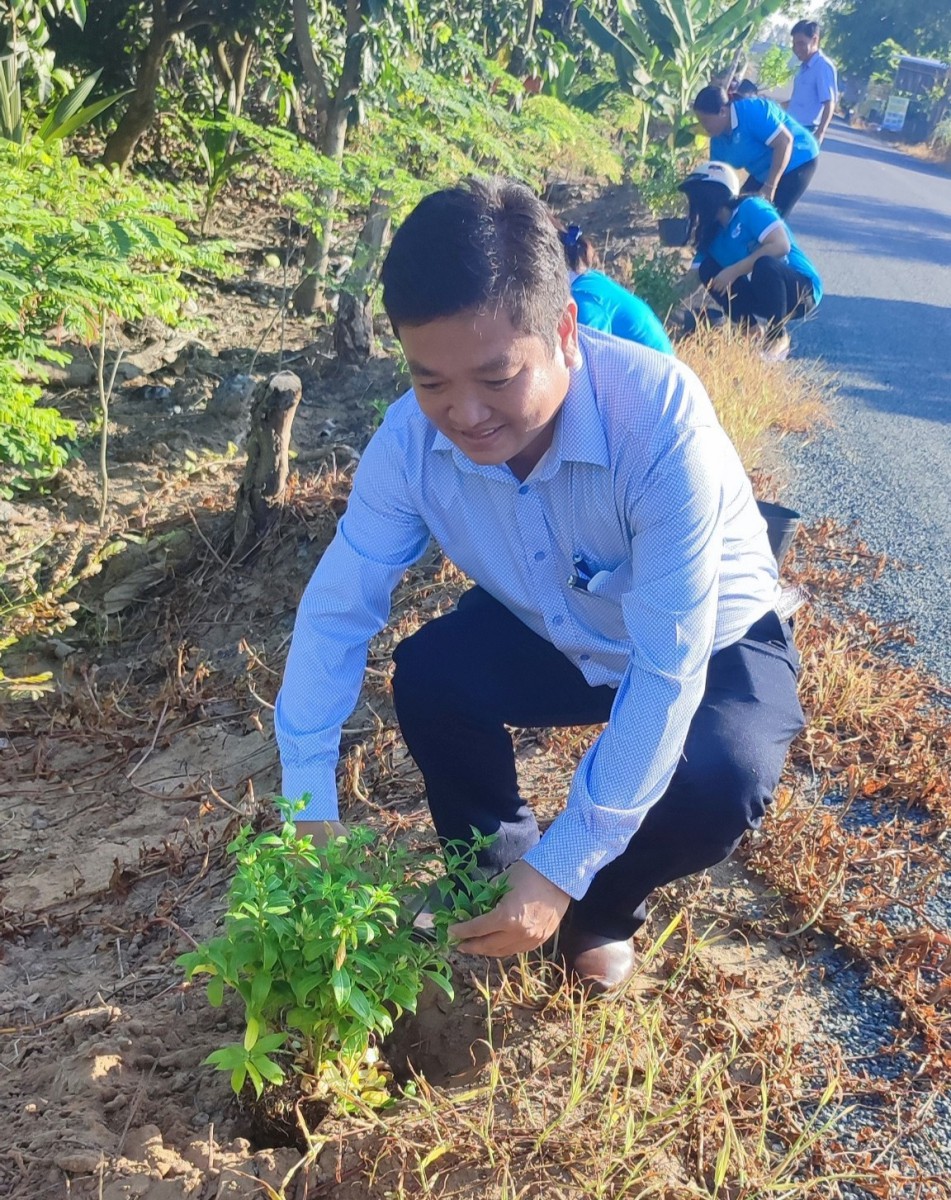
(885, 60)
(230, 28)
(774, 69)
(424, 130)
(855, 29)
(665, 50)
(81, 248)
(335, 79)
(25, 36)
(70, 114)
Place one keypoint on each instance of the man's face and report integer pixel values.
(494, 392)
(715, 123)
(804, 47)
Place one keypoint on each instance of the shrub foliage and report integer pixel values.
(79, 245)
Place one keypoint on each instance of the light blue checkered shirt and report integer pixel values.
(816, 82)
(643, 484)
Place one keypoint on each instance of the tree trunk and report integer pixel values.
(734, 68)
(309, 292)
(313, 76)
(557, 17)
(231, 61)
(353, 329)
(261, 495)
(141, 111)
(526, 41)
(241, 70)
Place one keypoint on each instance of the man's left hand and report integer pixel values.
(527, 915)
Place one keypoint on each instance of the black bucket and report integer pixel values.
(781, 526)
(673, 231)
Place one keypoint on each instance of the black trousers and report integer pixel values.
(790, 188)
(773, 291)
(465, 676)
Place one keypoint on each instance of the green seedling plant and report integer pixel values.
(221, 158)
(321, 947)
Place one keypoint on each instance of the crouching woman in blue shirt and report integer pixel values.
(604, 304)
(747, 256)
(622, 575)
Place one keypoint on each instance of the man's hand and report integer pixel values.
(322, 832)
(768, 193)
(527, 915)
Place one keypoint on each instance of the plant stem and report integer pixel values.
(105, 395)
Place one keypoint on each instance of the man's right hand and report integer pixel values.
(322, 832)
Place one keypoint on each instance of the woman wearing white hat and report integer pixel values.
(747, 256)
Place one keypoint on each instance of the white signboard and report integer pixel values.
(895, 112)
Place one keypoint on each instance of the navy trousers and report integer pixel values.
(463, 677)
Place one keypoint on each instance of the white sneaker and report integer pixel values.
(777, 350)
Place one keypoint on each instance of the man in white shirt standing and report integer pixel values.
(815, 87)
(622, 576)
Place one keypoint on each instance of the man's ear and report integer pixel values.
(568, 335)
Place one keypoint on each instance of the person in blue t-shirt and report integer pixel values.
(757, 136)
(747, 256)
(604, 304)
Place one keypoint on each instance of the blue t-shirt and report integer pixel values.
(751, 221)
(604, 304)
(748, 145)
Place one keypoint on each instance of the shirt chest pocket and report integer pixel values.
(610, 584)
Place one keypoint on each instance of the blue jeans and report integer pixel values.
(465, 676)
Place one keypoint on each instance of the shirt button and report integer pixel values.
(558, 619)
(539, 555)
(523, 490)
(584, 657)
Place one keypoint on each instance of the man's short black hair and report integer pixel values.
(483, 246)
(711, 99)
(810, 28)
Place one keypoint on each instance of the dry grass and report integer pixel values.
(753, 397)
(927, 152)
(660, 1095)
(845, 843)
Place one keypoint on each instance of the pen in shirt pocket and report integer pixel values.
(581, 575)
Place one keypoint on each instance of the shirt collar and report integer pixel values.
(579, 435)
(734, 119)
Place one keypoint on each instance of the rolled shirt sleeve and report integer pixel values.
(670, 614)
(346, 602)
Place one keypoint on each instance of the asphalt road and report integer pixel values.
(877, 224)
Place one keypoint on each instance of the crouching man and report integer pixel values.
(622, 575)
